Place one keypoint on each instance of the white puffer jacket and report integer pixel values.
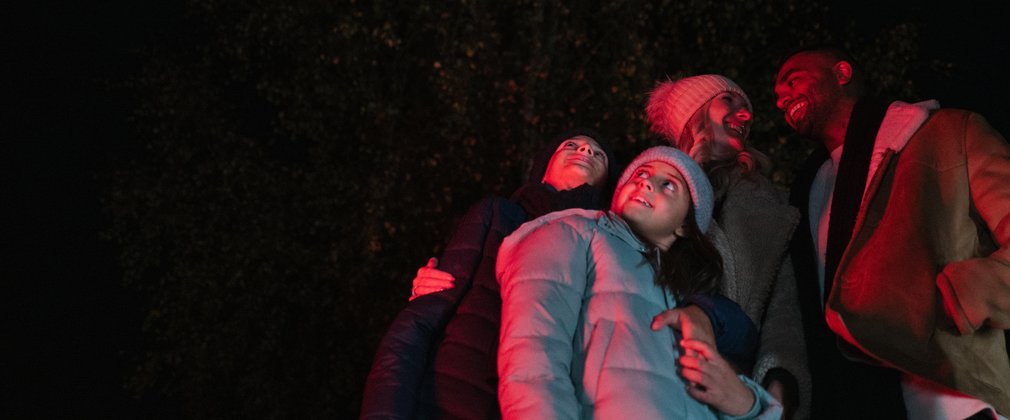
(578, 300)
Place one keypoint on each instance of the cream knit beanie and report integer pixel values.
(672, 104)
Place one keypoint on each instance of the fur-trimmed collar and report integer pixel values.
(900, 123)
(902, 120)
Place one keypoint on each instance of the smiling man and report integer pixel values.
(903, 255)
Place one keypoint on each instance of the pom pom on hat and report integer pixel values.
(672, 104)
(702, 198)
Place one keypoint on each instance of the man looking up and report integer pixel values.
(902, 257)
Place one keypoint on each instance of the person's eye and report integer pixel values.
(571, 144)
(642, 174)
(670, 186)
(599, 154)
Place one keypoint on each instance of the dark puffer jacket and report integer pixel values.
(403, 362)
(403, 382)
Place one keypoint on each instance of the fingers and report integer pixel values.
(711, 380)
(699, 363)
(703, 380)
(434, 274)
(698, 392)
(425, 285)
(433, 278)
(667, 318)
(691, 321)
(702, 348)
(430, 280)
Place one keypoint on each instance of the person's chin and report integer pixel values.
(633, 210)
(582, 174)
(583, 165)
(802, 127)
(572, 184)
(736, 143)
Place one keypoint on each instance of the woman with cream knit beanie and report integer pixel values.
(709, 118)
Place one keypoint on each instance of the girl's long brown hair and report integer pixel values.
(692, 264)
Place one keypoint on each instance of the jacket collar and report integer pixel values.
(606, 220)
(900, 123)
(902, 120)
(615, 225)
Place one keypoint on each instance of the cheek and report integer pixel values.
(715, 117)
(556, 158)
(619, 198)
(678, 209)
(719, 110)
(602, 173)
(625, 191)
(552, 166)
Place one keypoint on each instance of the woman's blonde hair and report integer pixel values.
(719, 160)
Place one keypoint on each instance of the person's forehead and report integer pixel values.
(736, 96)
(663, 168)
(582, 138)
(804, 61)
(729, 93)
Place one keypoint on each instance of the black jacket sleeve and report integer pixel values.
(405, 351)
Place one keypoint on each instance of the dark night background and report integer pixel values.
(218, 206)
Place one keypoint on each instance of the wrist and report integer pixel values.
(743, 402)
(784, 387)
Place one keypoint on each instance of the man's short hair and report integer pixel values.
(858, 83)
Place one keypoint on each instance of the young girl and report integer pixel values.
(709, 118)
(580, 289)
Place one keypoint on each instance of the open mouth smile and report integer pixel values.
(736, 129)
(641, 200)
(580, 160)
(796, 112)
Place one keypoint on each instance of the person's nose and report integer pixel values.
(743, 114)
(645, 184)
(587, 149)
(782, 98)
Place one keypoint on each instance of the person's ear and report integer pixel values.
(679, 232)
(842, 71)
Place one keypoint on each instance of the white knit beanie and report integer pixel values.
(672, 104)
(697, 182)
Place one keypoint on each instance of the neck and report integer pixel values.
(833, 135)
(663, 243)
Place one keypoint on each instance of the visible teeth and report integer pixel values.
(642, 200)
(796, 108)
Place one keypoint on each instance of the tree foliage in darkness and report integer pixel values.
(296, 161)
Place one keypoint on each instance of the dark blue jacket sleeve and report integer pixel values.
(405, 351)
(736, 336)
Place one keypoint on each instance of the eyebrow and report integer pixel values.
(786, 75)
(673, 175)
